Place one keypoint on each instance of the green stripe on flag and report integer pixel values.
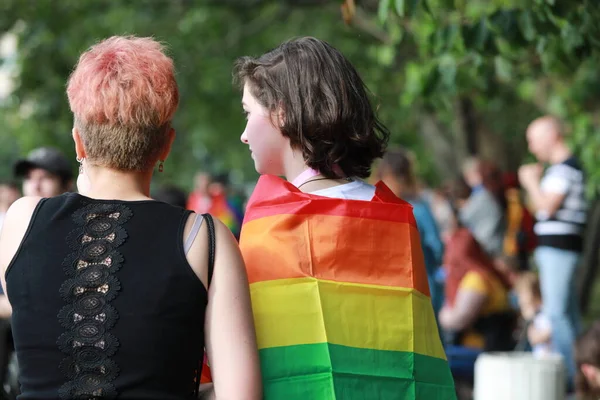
(327, 371)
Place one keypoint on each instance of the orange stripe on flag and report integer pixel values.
(334, 248)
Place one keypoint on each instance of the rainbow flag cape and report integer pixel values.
(340, 297)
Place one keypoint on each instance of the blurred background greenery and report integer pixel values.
(450, 77)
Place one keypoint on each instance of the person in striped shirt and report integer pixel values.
(557, 196)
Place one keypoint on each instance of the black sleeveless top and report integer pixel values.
(105, 303)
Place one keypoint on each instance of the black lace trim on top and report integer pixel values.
(90, 287)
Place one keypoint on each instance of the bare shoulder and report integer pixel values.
(23, 206)
(229, 326)
(224, 236)
(14, 227)
(19, 215)
(20, 212)
(228, 257)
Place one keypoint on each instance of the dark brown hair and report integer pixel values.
(327, 113)
(458, 189)
(457, 192)
(492, 180)
(587, 351)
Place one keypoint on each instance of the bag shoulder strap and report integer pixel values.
(189, 241)
(210, 224)
(211, 246)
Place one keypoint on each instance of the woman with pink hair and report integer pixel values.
(113, 293)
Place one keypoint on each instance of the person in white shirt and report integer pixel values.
(557, 197)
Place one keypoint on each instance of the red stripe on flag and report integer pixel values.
(274, 196)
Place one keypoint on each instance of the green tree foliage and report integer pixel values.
(511, 59)
(450, 77)
(204, 38)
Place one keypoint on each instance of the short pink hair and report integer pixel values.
(123, 95)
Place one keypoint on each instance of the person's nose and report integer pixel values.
(244, 137)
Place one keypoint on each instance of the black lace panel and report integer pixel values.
(88, 316)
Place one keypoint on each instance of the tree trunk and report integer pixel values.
(441, 145)
(469, 124)
(591, 257)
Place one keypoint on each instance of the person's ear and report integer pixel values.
(79, 149)
(278, 118)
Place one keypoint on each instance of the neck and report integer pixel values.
(560, 153)
(111, 184)
(294, 166)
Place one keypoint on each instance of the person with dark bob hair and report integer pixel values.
(337, 276)
(320, 105)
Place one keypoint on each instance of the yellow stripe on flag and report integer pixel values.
(308, 310)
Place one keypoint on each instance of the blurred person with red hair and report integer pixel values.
(476, 315)
(113, 292)
(476, 292)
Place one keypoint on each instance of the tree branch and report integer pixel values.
(364, 22)
(254, 26)
(254, 3)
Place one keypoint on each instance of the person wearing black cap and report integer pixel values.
(46, 172)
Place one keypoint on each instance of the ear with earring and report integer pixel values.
(80, 161)
(83, 181)
(161, 166)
